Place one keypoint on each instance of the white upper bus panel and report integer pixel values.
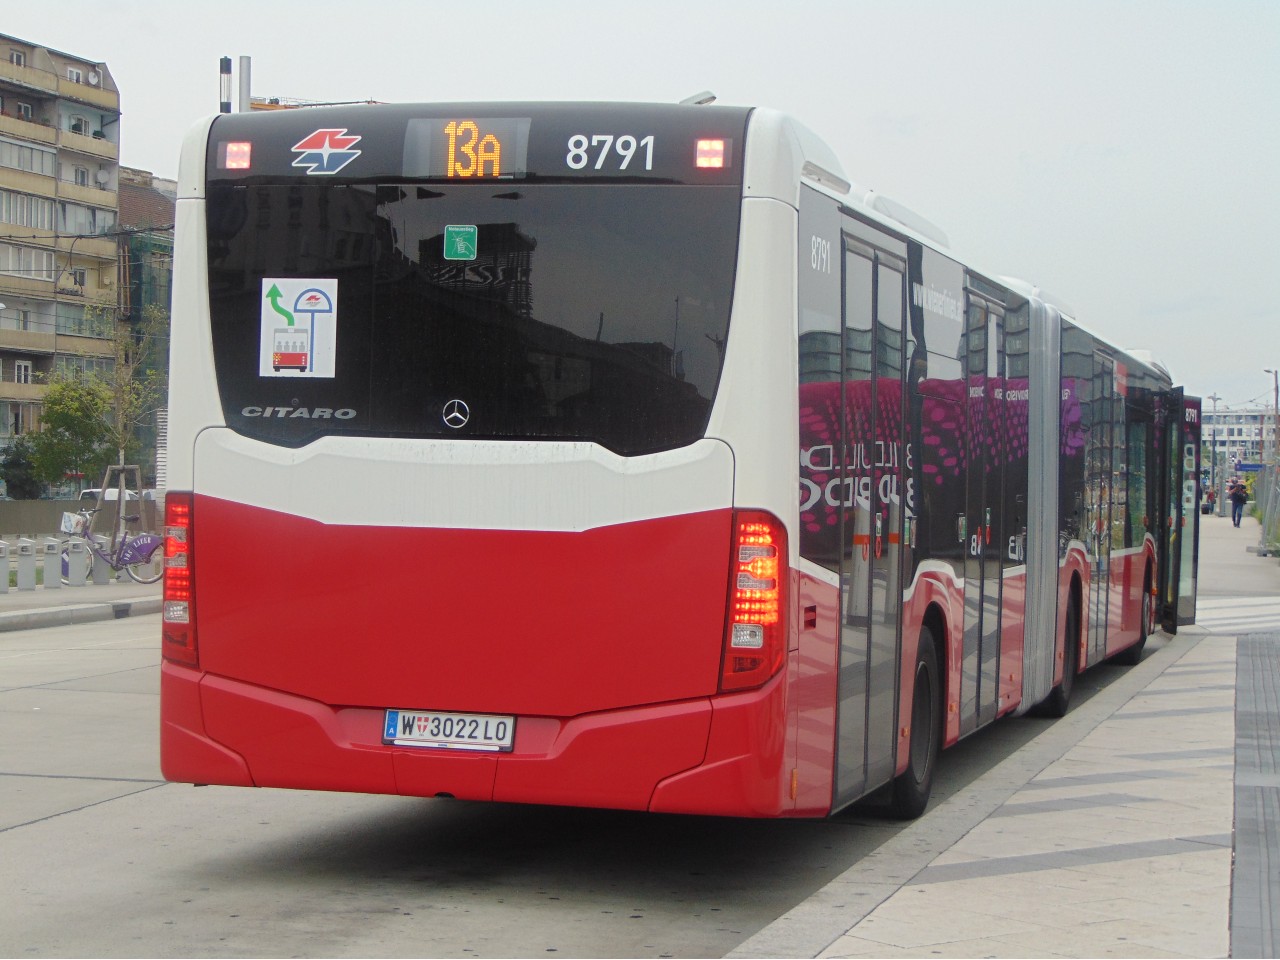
(519, 142)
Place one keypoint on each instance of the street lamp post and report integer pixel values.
(1275, 409)
(1213, 450)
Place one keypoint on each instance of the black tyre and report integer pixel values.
(912, 788)
(1059, 701)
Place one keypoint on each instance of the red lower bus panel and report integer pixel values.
(519, 622)
(1013, 637)
(293, 742)
(814, 693)
(743, 773)
(603, 760)
(613, 759)
(187, 755)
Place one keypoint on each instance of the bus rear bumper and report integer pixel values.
(721, 756)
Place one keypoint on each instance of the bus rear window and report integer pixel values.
(557, 311)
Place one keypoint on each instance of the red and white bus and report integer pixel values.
(651, 464)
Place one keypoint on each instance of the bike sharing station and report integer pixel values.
(86, 557)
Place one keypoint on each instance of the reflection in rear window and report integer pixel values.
(566, 312)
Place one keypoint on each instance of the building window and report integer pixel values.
(78, 276)
(77, 219)
(74, 75)
(78, 124)
(22, 371)
(24, 110)
(17, 58)
(32, 159)
(16, 417)
(82, 177)
(29, 262)
(25, 210)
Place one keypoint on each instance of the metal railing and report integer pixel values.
(1266, 492)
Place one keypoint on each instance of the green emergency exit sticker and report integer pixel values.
(460, 241)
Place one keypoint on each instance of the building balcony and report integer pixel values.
(98, 96)
(94, 196)
(24, 181)
(27, 341)
(21, 129)
(37, 81)
(100, 248)
(93, 146)
(12, 285)
(86, 346)
(21, 391)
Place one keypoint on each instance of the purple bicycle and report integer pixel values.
(135, 555)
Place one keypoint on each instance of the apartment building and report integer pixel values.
(1245, 435)
(59, 260)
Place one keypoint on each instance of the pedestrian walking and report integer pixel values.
(1238, 496)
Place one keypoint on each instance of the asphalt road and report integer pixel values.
(100, 857)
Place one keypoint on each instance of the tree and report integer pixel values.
(18, 472)
(138, 383)
(74, 437)
(90, 419)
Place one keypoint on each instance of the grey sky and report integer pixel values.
(1122, 155)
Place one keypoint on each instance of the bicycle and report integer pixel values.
(135, 555)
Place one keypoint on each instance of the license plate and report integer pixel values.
(449, 731)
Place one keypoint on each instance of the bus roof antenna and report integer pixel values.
(699, 99)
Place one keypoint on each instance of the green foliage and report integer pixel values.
(18, 470)
(138, 386)
(92, 420)
(75, 437)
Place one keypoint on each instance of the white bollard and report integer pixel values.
(4, 567)
(51, 550)
(100, 568)
(77, 562)
(26, 564)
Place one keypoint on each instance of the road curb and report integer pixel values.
(78, 613)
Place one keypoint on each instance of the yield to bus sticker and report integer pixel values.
(299, 327)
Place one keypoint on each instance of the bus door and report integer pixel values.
(1190, 480)
(873, 307)
(1098, 501)
(1179, 547)
(983, 563)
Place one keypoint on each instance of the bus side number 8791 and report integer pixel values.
(605, 144)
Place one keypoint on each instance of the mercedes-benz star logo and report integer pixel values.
(456, 414)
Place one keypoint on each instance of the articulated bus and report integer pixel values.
(638, 460)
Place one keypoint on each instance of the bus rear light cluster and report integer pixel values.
(755, 638)
(179, 629)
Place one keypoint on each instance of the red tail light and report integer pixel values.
(755, 634)
(179, 631)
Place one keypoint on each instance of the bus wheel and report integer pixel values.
(1059, 701)
(911, 790)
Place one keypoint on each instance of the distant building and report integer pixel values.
(147, 208)
(59, 181)
(1240, 435)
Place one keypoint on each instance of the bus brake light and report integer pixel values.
(236, 155)
(178, 632)
(710, 153)
(755, 638)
